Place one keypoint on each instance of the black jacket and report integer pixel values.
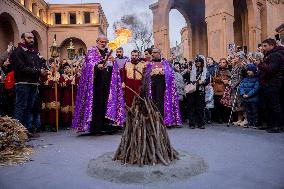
(26, 65)
(272, 68)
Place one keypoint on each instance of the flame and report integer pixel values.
(122, 37)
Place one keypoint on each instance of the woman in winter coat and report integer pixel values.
(238, 72)
(180, 87)
(196, 100)
(220, 82)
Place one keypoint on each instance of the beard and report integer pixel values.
(134, 61)
(30, 44)
(119, 56)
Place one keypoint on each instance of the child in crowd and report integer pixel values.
(249, 92)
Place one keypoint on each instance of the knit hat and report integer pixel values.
(252, 67)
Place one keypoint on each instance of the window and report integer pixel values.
(87, 17)
(57, 18)
(72, 18)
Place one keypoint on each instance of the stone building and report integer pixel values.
(213, 24)
(80, 22)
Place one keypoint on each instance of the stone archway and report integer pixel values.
(78, 44)
(194, 14)
(9, 31)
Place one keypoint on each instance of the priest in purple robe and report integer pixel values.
(162, 84)
(99, 103)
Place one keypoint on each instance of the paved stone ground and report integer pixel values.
(237, 159)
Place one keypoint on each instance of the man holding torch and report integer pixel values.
(99, 97)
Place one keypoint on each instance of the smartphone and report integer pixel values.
(277, 37)
(259, 45)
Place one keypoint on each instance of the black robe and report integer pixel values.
(158, 89)
(102, 79)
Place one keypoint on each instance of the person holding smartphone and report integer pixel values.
(271, 81)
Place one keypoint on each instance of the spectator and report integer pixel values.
(9, 88)
(257, 58)
(186, 78)
(211, 71)
(180, 87)
(239, 62)
(209, 100)
(6, 54)
(27, 67)
(220, 82)
(271, 78)
(148, 54)
(196, 99)
(212, 67)
(249, 92)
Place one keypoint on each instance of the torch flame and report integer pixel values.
(122, 37)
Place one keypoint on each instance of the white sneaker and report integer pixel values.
(244, 123)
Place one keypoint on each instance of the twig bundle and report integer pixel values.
(145, 140)
(13, 136)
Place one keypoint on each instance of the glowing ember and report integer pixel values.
(122, 37)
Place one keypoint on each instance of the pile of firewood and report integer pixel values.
(13, 137)
(145, 140)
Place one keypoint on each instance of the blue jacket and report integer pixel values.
(250, 87)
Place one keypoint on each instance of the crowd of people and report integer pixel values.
(245, 89)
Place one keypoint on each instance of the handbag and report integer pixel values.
(9, 82)
(191, 88)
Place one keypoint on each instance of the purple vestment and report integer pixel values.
(84, 101)
(172, 114)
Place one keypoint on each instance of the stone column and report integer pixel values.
(254, 25)
(219, 16)
(161, 29)
(220, 33)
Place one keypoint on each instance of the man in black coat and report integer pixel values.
(271, 77)
(27, 66)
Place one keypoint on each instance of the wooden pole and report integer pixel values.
(56, 97)
(72, 86)
(56, 105)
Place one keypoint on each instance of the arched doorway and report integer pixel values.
(9, 32)
(193, 12)
(38, 41)
(79, 46)
(241, 25)
(176, 23)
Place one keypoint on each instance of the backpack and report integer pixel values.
(9, 82)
